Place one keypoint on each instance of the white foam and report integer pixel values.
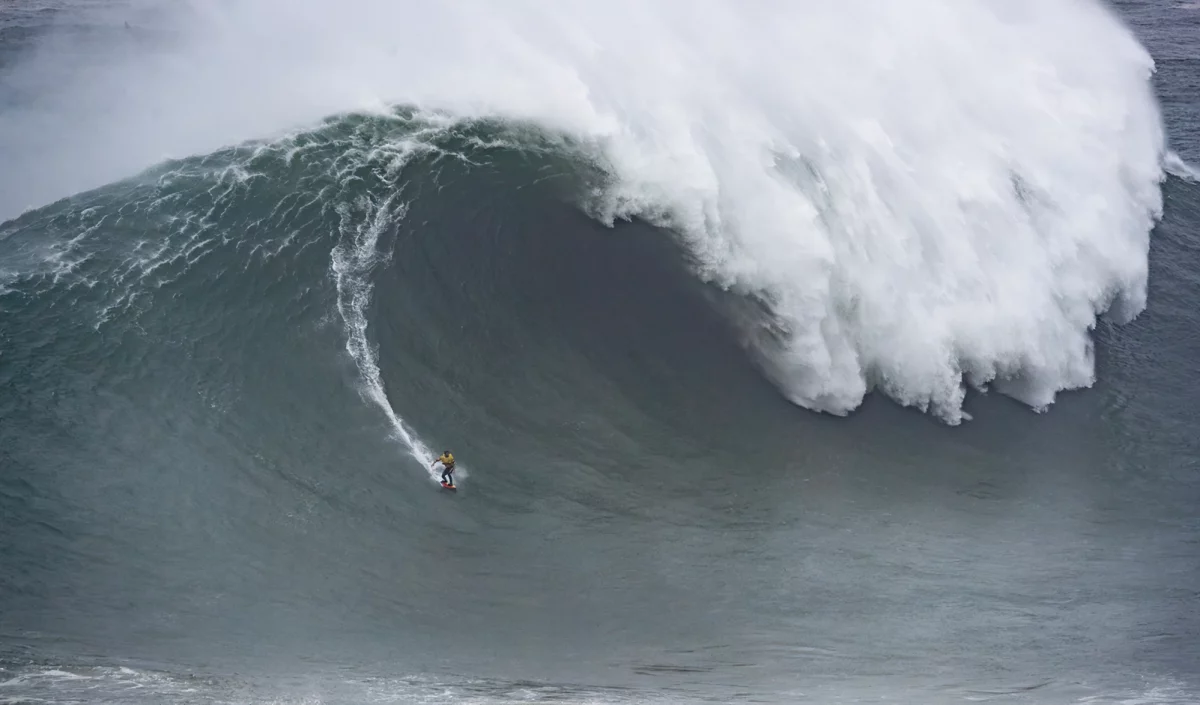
(925, 192)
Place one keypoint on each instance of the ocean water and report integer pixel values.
(791, 353)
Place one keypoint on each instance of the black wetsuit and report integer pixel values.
(448, 474)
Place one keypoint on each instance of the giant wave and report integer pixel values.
(924, 197)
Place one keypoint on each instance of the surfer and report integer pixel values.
(447, 461)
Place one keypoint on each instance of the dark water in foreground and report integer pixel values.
(215, 378)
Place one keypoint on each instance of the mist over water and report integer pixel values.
(699, 293)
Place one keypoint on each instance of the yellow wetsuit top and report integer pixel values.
(447, 459)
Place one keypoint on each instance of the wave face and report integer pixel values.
(924, 197)
(193, 476)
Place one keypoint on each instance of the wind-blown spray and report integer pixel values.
(925, 195)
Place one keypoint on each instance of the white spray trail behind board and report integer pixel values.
(355, 257)
(925, 195)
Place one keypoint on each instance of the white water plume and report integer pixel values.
(927, 194)
(1174, 164)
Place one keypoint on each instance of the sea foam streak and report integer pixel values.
(925, 194)
(352, 261)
